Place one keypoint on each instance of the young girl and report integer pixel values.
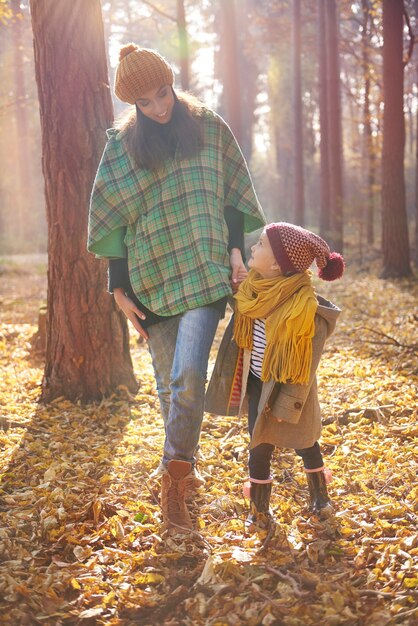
(170, 204)
(280, 327)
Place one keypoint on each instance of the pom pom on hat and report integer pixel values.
(334, 268)
(127, 49)
(295, 249)
(139, 71)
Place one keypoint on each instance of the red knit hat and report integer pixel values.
(295, 249)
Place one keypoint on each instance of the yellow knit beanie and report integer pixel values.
(140, 70)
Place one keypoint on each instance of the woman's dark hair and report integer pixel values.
(152, 143)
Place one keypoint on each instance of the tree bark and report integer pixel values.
(298, 178)
(87, 354)
(395, 243)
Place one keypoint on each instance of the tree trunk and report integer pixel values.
(87, 354)
(22, 135)
(248, 75)
(334, 127)
(281, 200)
(324, 217)
(183, 46)
(298, 178)
(371, 164)
(416, 189)
(395, 244)
(229, 54)
(369, 155)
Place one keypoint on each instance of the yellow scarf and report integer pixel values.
(288, 305)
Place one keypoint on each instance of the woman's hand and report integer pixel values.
(239, 271)
(130, 310)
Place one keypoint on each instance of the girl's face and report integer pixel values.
(157, 104)
(262, 258)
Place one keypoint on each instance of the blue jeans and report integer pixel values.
(180, 349)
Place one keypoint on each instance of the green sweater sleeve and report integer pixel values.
(111, 246)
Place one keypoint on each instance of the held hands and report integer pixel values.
(239, 271)
(130, 310)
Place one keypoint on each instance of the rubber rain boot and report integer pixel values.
(260, 516)
(320, 504)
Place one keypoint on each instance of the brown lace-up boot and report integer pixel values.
(174, 482)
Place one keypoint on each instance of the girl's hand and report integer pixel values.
(268, 413)
(130, 310)
(239, 271)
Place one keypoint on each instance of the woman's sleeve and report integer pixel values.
(107, 219)
(238, 187)
(118, 275)
(235, 221)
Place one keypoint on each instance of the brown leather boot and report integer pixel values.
(176, 517)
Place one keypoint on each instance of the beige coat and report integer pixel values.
(289, 415)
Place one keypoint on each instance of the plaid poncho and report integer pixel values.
(170, 224)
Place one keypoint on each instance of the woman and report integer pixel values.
(170, 204)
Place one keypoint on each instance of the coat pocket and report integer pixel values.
(287, 407)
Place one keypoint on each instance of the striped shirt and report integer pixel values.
(259, 346)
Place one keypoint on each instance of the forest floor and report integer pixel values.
(80, 538)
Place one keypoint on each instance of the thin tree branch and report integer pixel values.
(157, 10)
(406, 613)
(411, 37)
(387, 595)
(391, 340)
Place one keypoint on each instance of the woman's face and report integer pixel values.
(262, 258)
(157, 104)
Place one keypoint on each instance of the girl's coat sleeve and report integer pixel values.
(223, 392)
